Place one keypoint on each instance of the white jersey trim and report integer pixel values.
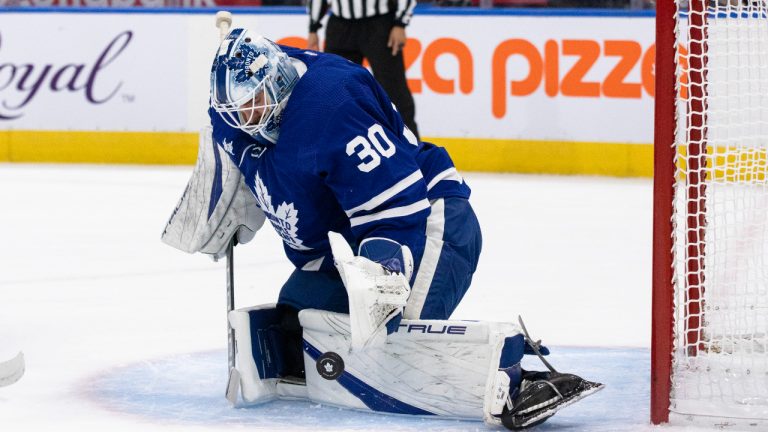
(387, 194)
(390, 213)
(449, 174)
(428, 265)
(313, 265)
(245, 152)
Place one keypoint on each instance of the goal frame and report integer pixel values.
(662, 331)
(665, 157)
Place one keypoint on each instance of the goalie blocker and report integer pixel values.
(453, 369)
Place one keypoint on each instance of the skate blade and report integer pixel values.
(594, 388)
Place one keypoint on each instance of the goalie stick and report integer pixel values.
(534, 345)
(233, 383)
(12, 370)
(223, 23)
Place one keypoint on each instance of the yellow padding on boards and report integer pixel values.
(549, 157)
(167, 148)
(736, 163)
(469, 154)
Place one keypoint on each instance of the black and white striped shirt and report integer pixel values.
(356, 9)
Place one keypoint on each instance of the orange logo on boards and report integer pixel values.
(544, 68)
(429, 55)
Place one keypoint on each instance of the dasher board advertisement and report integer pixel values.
(504, 91)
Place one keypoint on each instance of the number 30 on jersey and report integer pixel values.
(370, 149)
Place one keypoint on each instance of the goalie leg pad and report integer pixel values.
(263, 352)
(427, 367)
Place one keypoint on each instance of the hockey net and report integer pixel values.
(710, 332)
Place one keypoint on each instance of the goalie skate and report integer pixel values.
(541, 395)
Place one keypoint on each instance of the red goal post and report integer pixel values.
(663, 192)
(709, 359)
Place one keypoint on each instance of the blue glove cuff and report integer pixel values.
(388, 253)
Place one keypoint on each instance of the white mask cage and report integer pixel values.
(250, 113)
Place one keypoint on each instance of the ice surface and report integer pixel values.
(121, 332)
(155, 390)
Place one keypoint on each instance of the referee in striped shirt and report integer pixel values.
(372, 29)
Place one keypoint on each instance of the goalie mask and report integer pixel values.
(251, 80)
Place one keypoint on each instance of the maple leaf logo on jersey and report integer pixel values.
(285, 218)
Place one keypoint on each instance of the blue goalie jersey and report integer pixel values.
(344, 162)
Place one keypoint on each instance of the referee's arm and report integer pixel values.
(404, 12)
(317, 10)
(403, 15)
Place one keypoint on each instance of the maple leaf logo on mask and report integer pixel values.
(241, 61)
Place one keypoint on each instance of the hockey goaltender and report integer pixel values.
(311, 142)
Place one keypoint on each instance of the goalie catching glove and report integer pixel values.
(215, 207)
(378, 291)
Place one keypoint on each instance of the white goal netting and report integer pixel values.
(720, 361)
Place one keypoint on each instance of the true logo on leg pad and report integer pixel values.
(330, 365)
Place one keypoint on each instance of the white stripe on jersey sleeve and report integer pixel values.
(391, 213)
(387, 194)
(357, 9)
(429, 259)
(313, 265)
(409, 12)
(401, 6)
(370, 8)
(315, 6)
(346, 13)
(449, 174)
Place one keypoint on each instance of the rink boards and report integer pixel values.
(505, 91)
